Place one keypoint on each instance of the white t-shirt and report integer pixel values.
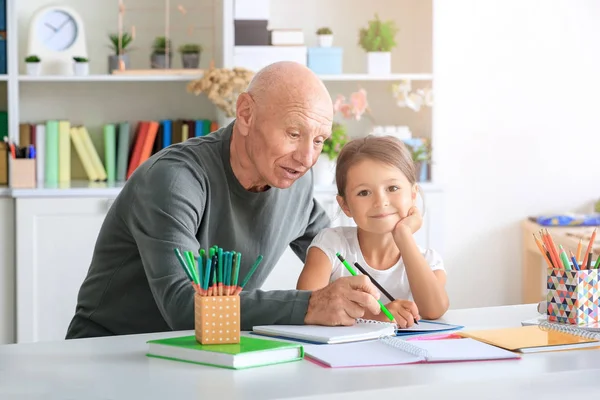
(344, 240)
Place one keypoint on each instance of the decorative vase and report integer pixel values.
(160, 60)
(379, 63)
(33, 68)
(113, 62)
(325, 40)
(324, 171)
(190, 60)
(81, 68)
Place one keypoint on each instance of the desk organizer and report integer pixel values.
(22, 173)
(217, 319)
(572, 296)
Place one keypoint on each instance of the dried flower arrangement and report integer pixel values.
(222, 86)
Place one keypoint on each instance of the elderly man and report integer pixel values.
(245, 188)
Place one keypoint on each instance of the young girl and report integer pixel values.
(377, 187)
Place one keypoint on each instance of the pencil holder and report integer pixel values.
(217, 319)
(22, 173)
(572, 296)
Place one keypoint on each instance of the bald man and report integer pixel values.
(246, 188)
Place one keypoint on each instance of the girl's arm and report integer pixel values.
(427, 286)
(316, 272)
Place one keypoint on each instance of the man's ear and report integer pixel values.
(343, 206)
(244, 113)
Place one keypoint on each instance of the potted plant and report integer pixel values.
(33, 65)
(325, 36)
(324, 168)
(81, 67)
(190, 55)
(161, 53)
(421, 155)
(378, 39)
(120, 46)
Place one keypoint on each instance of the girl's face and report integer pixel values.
(378, 195)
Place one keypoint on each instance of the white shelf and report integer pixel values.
(368, 77)
(107, 78)
(3, 78)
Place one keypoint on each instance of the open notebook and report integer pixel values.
(537, 338)
(395, 351)
(362, 330)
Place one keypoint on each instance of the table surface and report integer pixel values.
(117, 368)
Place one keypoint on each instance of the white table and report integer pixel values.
(117, 368)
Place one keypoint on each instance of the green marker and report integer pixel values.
(353, 272)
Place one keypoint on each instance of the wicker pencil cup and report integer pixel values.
(572, 296)
(217, 319)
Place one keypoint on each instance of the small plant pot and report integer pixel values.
(190, 60)
(33, 68)
(325, 40)
(160, 61)
(81, 68)
(113, 62)
(379, 63)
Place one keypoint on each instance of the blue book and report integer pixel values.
(167, 132)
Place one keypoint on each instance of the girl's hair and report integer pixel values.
(386, 149)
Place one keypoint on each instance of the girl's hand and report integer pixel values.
(404, 311)
(412, 222)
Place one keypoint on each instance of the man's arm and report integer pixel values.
(165, 213)
(317, 221)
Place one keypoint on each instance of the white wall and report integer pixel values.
(516, 130)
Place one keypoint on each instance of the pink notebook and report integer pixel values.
(395, 351)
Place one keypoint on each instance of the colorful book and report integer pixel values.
(249, 353)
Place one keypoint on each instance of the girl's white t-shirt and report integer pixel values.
(344, 240)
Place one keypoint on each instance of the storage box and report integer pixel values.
(255, 58)
(21, 173)
(251, 33)
(326, 60)
(572, 296)
(217, 319)
(251, 9)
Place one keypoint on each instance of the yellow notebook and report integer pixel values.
(533, 339)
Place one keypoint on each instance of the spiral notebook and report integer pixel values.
(396, 351)
(546, 336)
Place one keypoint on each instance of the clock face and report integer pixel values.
(57, 30)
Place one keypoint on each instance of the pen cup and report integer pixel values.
(572, 296)
(21, 173)
(217, 319)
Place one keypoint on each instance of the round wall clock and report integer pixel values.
(56, 35)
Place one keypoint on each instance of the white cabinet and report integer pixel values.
(7, 270)
(54, 244)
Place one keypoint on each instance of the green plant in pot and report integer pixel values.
(190, 55)
(421, 156)
(378, 39)
(120, 46)
(324, 169)
(33, 64)
(162, 53)
(325, 36)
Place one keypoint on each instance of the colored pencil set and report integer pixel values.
(558, 257)
(215, 272)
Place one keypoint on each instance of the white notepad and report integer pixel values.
(395, 351)
(362, 330)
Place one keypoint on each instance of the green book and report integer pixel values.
(249, 353)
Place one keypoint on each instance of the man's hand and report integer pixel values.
(342, 301)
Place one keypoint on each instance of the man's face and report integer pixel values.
(284, 142)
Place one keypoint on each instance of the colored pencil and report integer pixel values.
(544, 252)
(249, 275)
(575, 264)
(579, 249)
(564, 258)
(364, 272)
(589, 248)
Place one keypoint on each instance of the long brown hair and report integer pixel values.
(387, 149)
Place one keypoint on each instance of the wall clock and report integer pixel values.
(56, 35)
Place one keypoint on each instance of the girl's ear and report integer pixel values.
(343, 206)
(415, 190)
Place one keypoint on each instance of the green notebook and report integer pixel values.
(250, 352)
